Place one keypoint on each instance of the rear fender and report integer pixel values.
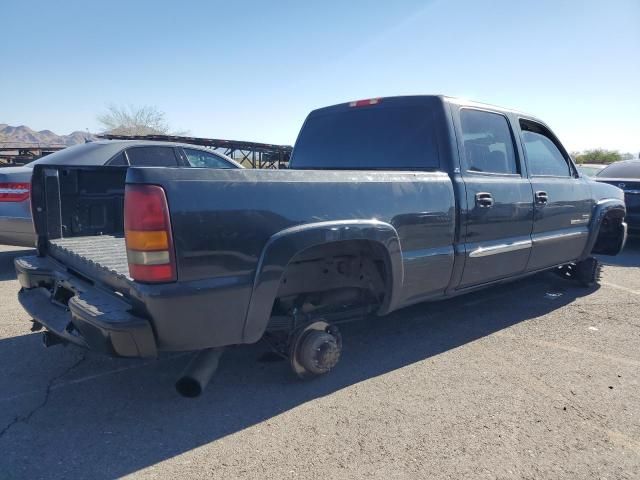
(283, 246)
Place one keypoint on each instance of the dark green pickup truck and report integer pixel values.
(387, 202)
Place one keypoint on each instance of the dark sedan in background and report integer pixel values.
(16, 227)
(626, 175)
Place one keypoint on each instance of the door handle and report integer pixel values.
(541, 197)
(484, 200)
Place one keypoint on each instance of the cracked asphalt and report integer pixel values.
(535, 379)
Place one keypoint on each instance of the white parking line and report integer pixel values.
(620, 287)
(572, 349)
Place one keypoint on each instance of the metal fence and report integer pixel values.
(248, 154)
(12, 155)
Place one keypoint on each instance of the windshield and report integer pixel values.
(621, 170)
(589, 171)
(375, 138)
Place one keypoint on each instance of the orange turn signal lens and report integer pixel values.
(147, 241)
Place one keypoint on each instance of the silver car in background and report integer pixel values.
(16, 227)
(590, 169)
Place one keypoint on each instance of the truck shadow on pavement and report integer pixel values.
(66, 413)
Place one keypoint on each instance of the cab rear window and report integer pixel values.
(368, 138)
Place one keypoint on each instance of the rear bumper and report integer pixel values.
(179, 316)
(81, 313)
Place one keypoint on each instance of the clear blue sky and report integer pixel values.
(253, 70)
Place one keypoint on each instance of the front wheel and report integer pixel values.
(586, 272)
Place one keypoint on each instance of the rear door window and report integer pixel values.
(488, 142)
(152, 156)
(202, 159)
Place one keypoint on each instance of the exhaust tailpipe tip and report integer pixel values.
(198, 373)
(49, 339)
(189, 387)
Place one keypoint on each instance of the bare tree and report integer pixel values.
(130, 120)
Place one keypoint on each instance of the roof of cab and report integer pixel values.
(420, 100)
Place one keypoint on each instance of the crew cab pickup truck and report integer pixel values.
(387, 202)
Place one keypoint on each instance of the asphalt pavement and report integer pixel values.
(535, 379)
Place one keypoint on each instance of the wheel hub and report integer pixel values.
(319, 352)
(315, 349)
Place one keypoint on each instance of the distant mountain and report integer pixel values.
(24, 136)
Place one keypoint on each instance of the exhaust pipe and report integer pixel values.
(198, 373)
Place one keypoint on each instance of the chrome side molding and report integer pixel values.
(560, 236)
(503, 248)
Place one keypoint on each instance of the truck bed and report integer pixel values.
(105, 254)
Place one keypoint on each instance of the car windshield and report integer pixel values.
(621, 170)
(589, 171)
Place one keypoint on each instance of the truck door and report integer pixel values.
(498, 217)
(563, 201)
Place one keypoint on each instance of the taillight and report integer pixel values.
(147, 231)
(14, 192)
(365, 103)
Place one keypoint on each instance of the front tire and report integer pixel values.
(588, 272)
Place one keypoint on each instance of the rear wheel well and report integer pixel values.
(334, 276)
(610, 234)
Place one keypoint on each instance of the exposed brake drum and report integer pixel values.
(315, 349)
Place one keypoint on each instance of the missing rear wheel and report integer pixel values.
(315, 349)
